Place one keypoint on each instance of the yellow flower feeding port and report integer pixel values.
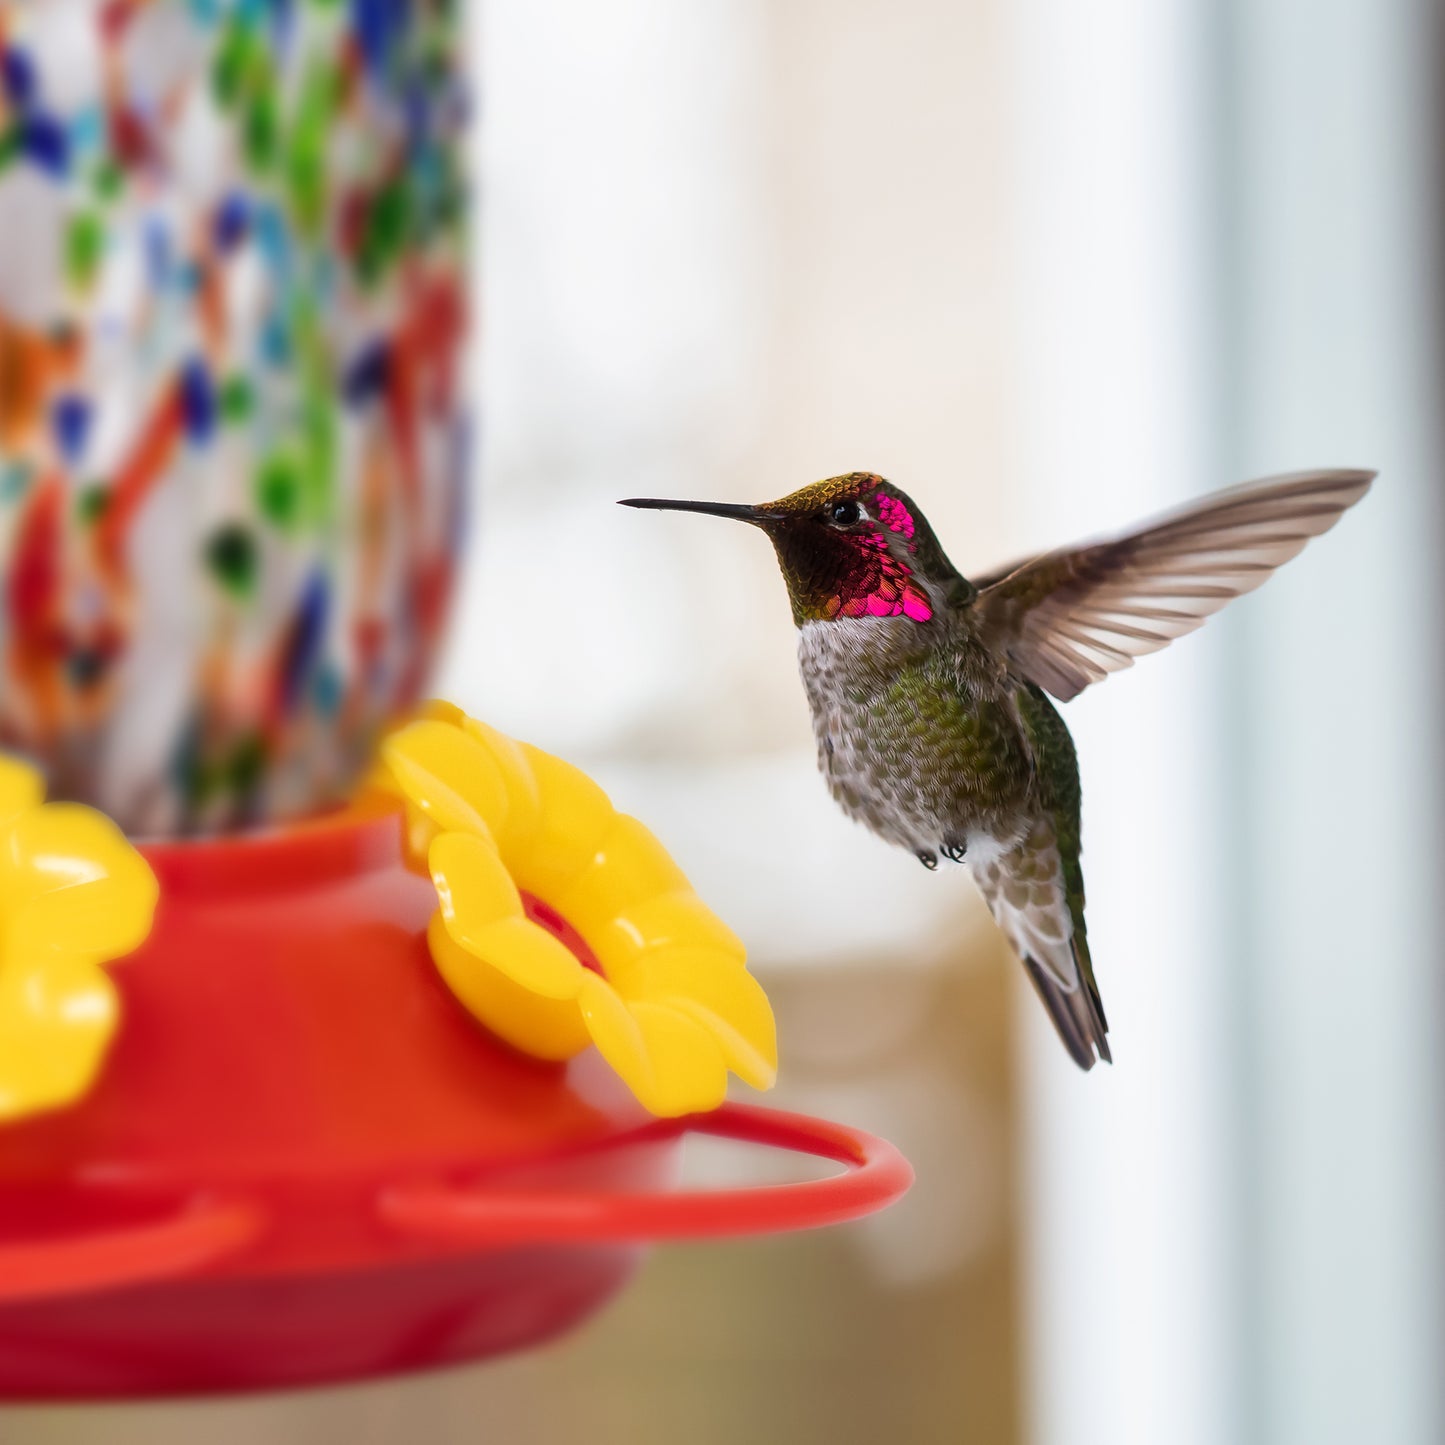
(74, 897)
(661, 987)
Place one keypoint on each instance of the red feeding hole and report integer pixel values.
(548, 917)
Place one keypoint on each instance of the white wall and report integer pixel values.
(1332, 356)
(1130, 1287)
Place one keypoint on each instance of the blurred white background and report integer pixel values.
(1049, 268)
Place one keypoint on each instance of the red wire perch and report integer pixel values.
(877, 1174)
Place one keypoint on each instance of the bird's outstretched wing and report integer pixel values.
(1071, 617)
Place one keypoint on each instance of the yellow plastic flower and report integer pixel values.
(74, 894)
(671, 1005)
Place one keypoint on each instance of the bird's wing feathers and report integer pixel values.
(1071, 617)
(1025, 889)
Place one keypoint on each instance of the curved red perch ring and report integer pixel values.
(877, 1174)
(482, 1217)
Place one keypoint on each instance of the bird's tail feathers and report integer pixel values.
(1077, 1013)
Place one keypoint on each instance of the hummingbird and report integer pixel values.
(932, 694)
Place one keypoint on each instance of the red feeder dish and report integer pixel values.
(304, 1161)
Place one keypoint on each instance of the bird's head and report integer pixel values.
(850, 546)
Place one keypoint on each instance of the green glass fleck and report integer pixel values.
(306, 148)
(319, 475)
(318, 431)
(306, 180)
(228, 74)
(91, 504)
(261, 132)
(109, 180)
(84, 247)
(246, 767)
(233, 558)
(237, 399)
(387, 223)
(279, 491)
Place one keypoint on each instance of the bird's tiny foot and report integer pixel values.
(929, 860)
(954, 851)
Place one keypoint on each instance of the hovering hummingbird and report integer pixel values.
(930, 692)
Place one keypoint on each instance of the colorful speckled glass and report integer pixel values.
(233, 439)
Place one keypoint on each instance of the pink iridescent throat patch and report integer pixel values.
(883, 586)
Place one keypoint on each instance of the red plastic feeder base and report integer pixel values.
(305, 1162)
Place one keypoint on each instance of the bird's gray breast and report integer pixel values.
(848, 667)
(916, 738)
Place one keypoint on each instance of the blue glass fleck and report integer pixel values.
(198, 401)
(327, 691)
(417, 109)
(276, 342)
(307, 632)
(367, 374)
(377, 24)
(45, 141)
(157, 254)
(233, 219)
(87, 132)
(270, 229)
(70, 418)
(17, 75)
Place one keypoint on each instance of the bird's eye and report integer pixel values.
(844, 514)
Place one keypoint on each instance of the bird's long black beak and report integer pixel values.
(758, 516)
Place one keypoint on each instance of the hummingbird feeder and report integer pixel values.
(336, 1110)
